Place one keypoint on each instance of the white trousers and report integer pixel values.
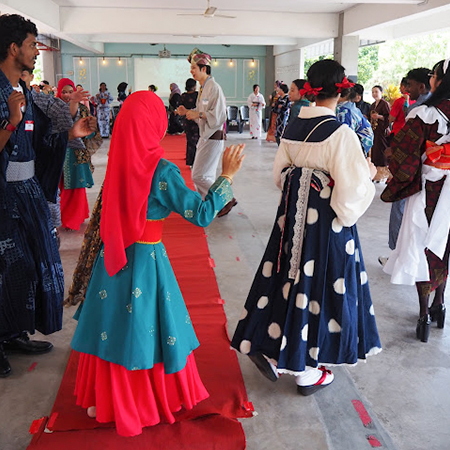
(408, 263)
(255, 123)
(207, 158)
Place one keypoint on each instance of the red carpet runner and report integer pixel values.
(212, 423)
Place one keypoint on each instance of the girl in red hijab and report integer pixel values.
(134, 332)
(77, 174)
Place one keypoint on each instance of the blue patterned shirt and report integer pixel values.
(20, 145)
(349, 114)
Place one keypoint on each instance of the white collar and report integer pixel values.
(315, 111)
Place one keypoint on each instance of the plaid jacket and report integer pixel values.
(408, 146)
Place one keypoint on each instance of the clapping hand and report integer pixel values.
(181, 110)
(83, 127)
(192, 115)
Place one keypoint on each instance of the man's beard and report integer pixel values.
(24, 67)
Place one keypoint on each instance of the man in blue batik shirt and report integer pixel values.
(31, 275)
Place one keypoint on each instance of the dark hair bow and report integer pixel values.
(308, 89)
(344, 85)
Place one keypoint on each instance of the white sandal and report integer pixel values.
(325, 380)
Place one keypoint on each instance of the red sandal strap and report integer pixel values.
(325, 372)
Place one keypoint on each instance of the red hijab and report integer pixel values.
(62, 83)
(134, 154)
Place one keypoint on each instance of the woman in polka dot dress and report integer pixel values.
(310, 301)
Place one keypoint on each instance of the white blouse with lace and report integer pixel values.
(339, 155)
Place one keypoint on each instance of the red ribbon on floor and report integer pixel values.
(36, 425)
(374, 442)
(52, 420)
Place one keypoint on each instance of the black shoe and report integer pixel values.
(264, 366)
(5, 368)
(437, 314)
(423, 328)
(227, 208)
(23, 344)
(382, 260)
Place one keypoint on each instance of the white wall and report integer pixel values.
(161, 72)
(288, 66)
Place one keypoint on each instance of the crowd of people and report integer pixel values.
(309, 305)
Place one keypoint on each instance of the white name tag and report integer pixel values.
(29, 125)
(205, 101)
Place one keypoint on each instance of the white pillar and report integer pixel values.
(48, 67)
(302, 64)
(346, 51)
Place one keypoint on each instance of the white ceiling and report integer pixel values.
(223, 6)
(92, 23)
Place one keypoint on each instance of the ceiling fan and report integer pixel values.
(209, 13)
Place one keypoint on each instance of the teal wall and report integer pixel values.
(236, 80)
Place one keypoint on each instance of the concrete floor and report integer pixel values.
(405, 389)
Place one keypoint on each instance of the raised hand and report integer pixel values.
(15, 102)
(79, 96)
(232, 160)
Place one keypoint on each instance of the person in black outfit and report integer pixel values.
(121, 92)
(363, 106)
(175, 125)
(189, 100)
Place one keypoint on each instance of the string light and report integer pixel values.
(120, 61)
(231, 63)
(215, 61)
(81, 60)
(104, 61)
(252, 63)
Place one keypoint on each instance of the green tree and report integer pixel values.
(38, 70)
(389, 62)
(367, 63)
(310, 61)
(396, 58)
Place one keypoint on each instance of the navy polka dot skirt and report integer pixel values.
(310, 301)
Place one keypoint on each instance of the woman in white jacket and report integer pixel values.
(310, 302)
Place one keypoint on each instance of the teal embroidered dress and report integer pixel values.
(138, 318)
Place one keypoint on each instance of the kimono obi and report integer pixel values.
(217, 136)
(152, 232)
(19, 171)
(438, 155)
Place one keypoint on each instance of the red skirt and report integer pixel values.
(272, 128)
(134, 399)
(74, 207)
